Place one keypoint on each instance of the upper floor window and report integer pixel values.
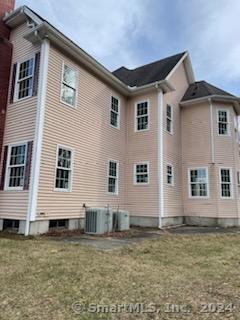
(223, 122)
(115, 113)
(113, 177)
(24, 79)
(169, 119)
(141, 173)
(68, 90)
(63, 169)
(142, 116)
(170, 174)
(16, 166)
(198, 182)
(226, 183)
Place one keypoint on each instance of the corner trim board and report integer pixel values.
(160, 156)
(37, 148)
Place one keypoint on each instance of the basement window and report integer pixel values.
(54, 224)
(9, 224)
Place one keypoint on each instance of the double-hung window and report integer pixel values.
(16, 166)
(141, 173)
(113, 177)
(238, 183)
(170, 174)
(24, 79)
(169, 117)
(226, 183)
(142, 116)
(115, 113)
(223, 123)
(198, 182)
(68, 90)
(63, 178)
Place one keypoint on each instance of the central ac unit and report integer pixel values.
(120, 220)
(98, 220)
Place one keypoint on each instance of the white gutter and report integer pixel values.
(212, 131)
(160, 155)
(37, 147)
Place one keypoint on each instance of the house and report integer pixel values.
(151, 140)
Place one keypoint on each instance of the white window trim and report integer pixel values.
(228, 123)
(7, 173)
(220, 183)
(135, 173)
(119, 112)
(171, 119)
(117, 178)
(189, 183)
(76, 85)
(60, 146)
(135, 115)
(16, 85)
(170, 184)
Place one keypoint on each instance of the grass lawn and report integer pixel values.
(41, 279)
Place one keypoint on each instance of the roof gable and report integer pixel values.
(201, 89)
(149, 73)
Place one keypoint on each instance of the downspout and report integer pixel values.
(160, 154)
(37, 148)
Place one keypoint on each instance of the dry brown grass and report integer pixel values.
(41, 279)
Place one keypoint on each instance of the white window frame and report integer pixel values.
(76, 85)
(231, 183)
(135, 173)
(228, 123)
(172, 175)
(117, 177)
(118, 113)
(16, 85)
(189, 183)
(135, 115)
(59, 146)
(170, 119)
(8, 167)
(238, 183)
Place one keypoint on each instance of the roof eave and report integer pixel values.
(44, 30)
(20, 15)
(220, 98)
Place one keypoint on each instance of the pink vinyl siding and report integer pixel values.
(20, 126)
(86, 129)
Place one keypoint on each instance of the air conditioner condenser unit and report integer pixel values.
(98, 220)
(120, 220)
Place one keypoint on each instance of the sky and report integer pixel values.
(131, 33)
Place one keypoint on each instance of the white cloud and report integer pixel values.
(104, 29)
(212, 31)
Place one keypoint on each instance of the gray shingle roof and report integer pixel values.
(149, 73)
(202, 89)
